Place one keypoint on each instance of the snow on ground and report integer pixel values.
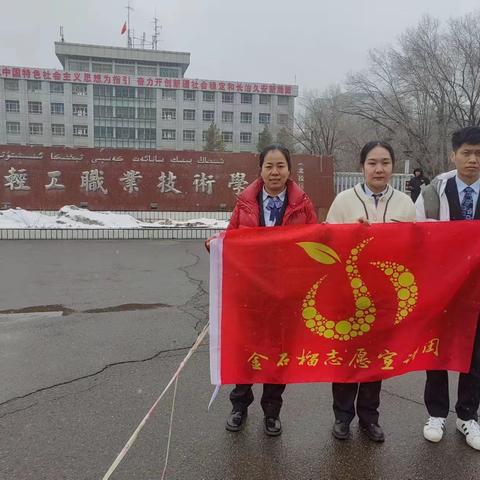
(75, 217)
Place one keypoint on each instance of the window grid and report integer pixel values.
(12, 106)
(189, 135)
(58, 130)
(35, 128)
(13, 128)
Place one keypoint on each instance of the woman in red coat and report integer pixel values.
(271, 200)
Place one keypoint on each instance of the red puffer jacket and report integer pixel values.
(246, 213)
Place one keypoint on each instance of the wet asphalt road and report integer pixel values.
(91, 332)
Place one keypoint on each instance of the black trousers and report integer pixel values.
(242, 396)
(368, 400)
(468, 399)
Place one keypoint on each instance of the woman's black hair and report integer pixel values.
(276, 146)
(371, 145)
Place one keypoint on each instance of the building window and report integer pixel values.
(147, 134)
(80, 110)
(169, 114)
(56, 87)
(227, 97)
(125, 133)
(103, 111)
(58, 130)
(13, 128)
(282, 119)
(169, 134)
(125, 92)
(150, 70)
(102, 91)
(78, 89)
(11, 84)
(189, 114)
(147, 113)
(169, 94)
(189, 135)
(35, 128)
(282, 100)
(124, 69)
(103, 132)
(78, 66)
(34, 107)
(189, 95)
(57, 109)
(227, 137)
(124, 112)
(34, 85)
(245, 117)
(227, 117)
(168, 72)
(102, 67)
(208, 116)
(148, 93)
(80, 130)
(12, 106)
(208, 96)
(246, 98)
(245, 137)
(264, 118)
(264, 99)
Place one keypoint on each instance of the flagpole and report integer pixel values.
(129, 42)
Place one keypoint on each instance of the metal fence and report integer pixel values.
(344, 180)
(155, 216)
(107, 233)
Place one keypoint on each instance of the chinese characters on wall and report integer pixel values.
(26, 73)
(94, 180)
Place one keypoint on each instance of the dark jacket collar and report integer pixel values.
(451, 191)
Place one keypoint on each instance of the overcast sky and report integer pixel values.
(314, 42)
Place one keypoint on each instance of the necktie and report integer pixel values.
(467, 204)
(376, 197)
(274, 205)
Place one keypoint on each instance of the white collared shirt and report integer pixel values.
(266, 212)
(369, 193)
(461, 186)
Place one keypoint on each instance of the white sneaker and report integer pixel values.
(471, 430)
(433, 429)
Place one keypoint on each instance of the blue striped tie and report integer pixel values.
(275, 206)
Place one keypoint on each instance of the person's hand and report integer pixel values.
(364, 220)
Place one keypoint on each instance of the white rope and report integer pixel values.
(134, 436)
(170, 429)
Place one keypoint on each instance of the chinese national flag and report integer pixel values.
(343, 303)
(124, 28)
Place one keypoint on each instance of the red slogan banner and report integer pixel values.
(343, 303)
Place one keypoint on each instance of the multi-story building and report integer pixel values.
(134, 98)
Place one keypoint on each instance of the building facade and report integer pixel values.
(132, 98)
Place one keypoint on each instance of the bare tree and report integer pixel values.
(318, 127)
(413, 94)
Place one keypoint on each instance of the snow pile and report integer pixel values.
(193, 223)
(75, 217)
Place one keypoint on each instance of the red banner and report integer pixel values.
(343, 303)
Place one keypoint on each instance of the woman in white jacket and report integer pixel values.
(372, 201)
